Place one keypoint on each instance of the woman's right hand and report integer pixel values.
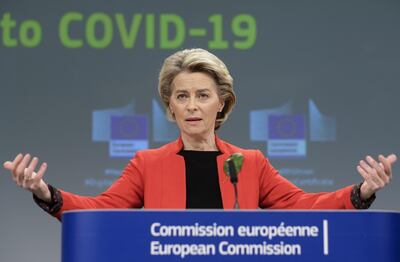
(24, 175)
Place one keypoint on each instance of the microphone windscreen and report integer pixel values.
(237, 159)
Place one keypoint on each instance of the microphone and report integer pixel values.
(232, 167)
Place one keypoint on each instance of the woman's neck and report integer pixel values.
(199, 143)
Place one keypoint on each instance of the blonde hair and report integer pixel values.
(197, 60)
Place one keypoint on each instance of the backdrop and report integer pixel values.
(317, 86)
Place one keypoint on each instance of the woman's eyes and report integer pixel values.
(181, 96)
(201, 96)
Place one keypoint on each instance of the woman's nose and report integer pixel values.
(192, 104)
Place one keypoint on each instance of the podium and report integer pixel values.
(259, 235)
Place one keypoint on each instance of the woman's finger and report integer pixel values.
(20, 169)
(32, 179)
(378, 169)
(17, 159)
(33, 163)
(392, 158)
(362, 172)
(372, 186)
(10, 164)
(29, 170)
(365, 166)
(387, 166)
(7, 165)
(40, 173)
(373, 178)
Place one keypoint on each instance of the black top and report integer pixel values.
(202, 186)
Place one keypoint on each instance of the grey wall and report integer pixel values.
(343, 55)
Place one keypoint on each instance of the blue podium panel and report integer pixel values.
(145, 235)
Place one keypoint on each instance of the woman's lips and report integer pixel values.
(193, 119)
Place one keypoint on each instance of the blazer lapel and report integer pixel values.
(227, 190)
(173, 188)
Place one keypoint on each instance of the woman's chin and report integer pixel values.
(196, 131)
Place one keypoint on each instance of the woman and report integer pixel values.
(196, 89)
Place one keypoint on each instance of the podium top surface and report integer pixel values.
(261, 211)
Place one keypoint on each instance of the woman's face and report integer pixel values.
(195, 103)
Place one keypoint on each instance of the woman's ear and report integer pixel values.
(171, 112)
(221, 106)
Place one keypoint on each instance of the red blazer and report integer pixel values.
(155, 179)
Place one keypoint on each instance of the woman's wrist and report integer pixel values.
(365, 193)
(356, 199)
(43, 192)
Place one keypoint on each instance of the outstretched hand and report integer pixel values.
(376, 174)
(24, 175)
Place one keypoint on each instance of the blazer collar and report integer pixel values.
(177, 145)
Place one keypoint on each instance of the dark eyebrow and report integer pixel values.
(185, 91)
(180, 91)
(203, 90)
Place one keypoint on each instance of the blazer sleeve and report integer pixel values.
(126, 192)
(277, 192)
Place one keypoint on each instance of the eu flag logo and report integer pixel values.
(128, 127)
(286, 136)
(128, 135)
(286, 127)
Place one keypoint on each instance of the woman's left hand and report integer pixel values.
(376, 174)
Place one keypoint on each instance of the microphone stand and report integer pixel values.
(234, 180)
(236, 206)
